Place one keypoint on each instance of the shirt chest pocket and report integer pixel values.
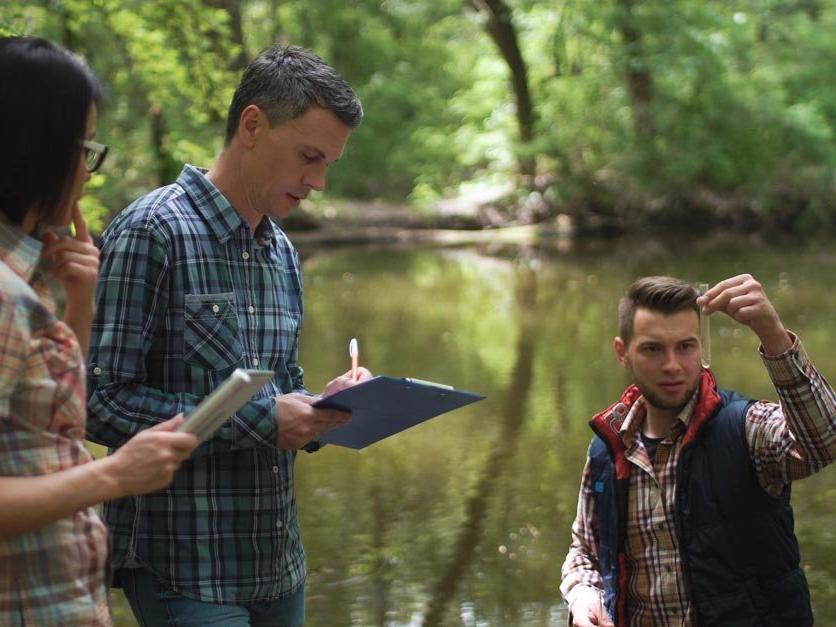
(211, 334)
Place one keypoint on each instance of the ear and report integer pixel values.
(620, 350)
(250, 122)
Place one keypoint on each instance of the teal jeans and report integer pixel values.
(155, 605)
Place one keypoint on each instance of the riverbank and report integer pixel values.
(452, 222)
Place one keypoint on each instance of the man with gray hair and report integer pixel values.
(197, 280)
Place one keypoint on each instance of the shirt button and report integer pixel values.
(245, 255)
(97, 371)
(251, 309)
(279, 524)
(255, 361)
(276, 469)
(215, 308)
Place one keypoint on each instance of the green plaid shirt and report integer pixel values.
(187, 293)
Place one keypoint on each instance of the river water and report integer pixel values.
(464, 520)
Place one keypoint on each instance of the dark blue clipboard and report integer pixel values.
(383, 406)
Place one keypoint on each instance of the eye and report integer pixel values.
(309, 158)
(649, 349)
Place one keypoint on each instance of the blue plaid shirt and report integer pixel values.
(187, 293)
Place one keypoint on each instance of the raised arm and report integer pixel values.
(797, 437)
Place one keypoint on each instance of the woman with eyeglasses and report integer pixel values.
(53, 545)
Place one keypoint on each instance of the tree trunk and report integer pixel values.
(167, 167)
(501, 29)
(236, 32)
(639, 78)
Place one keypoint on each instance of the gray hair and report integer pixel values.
(285, 82)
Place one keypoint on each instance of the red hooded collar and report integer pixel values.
(607, 423)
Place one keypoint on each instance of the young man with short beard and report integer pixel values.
(684, 513)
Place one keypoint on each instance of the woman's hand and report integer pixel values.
(74, 263)
(147, 462)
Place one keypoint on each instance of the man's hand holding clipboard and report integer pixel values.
(303, 423)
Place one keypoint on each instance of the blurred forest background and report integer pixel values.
(622, 114)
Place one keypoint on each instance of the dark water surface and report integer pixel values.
(465, 520)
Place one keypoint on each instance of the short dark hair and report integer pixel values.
(285, 82)
(662, 294)
(46, 97)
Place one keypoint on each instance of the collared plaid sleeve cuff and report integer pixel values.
(789, 368)
(257, 425)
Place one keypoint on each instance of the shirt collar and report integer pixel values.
(221, 216)
(635, 418)
(19, 251)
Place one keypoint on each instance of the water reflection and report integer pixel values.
(513, 414)
(464, 520)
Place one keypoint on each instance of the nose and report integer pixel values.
(315, 178)
(671, 360)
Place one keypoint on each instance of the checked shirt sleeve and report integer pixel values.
(580, 573)
(131, 302)
(797, 438)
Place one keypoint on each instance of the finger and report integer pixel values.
(169, 425)
(742, 301)
(74, 273)
(327, 419)
(363, 374)
(81, 259)
(720, 301)
(337, 418)
(741, 296)
(183, 444)
(747, 314)
(174, 446)
(81, 232)
(296, 396)
(68, 245)
(717, 289)
(65, 242)
(47, 238)
(51, 243)
(71, 271)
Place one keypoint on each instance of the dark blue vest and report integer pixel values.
(739, 552)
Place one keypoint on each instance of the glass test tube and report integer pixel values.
(705, 331)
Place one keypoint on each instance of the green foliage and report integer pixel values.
(737, 121)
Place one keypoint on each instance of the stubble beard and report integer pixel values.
(655, 401)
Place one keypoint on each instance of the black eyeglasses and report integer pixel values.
(94, 154)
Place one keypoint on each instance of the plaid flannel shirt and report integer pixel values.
(186, 294)
(786, 442)
(53, 575)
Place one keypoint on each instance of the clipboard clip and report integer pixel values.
(430, 383)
